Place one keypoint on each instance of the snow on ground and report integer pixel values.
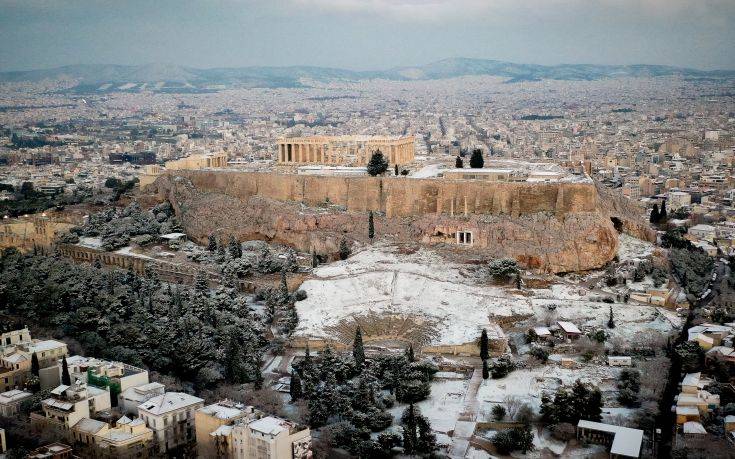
(129, 252)
(90, 242)
(630, 319)
(545, 440)
(474, 453)
(529, 384)
(452, 304)
(632, 248)
(421, 285)
(443, 406)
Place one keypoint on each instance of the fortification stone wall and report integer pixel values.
(401, 196)
(553, 227)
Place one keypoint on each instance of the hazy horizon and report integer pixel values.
(365, 34)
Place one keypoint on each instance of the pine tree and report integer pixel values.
(484, 345)
(654, 218)
(295, 389)
(611, 320)
(458, 163)
(377, 164)
(200, 282)
(35, 366)
(371, 226)
(485, 369)
(233, 246)
(476, 160)
(65, 376)
(358, 351)
(662, 216)
(396, 169)
(344, 249)
(212, 243)
(409, 354)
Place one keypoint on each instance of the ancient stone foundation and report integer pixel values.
(552, 227)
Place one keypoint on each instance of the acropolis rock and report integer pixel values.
(548, 227)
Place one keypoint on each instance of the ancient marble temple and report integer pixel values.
(344, 150)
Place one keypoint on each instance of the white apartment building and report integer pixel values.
(70, 404)
(131, 398)
(270, 438)
(10, 401)
(171, 417)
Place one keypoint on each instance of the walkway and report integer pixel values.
(465, 425)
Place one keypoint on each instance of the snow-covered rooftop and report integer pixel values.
(170, 401)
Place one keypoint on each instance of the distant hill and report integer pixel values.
(163, 77)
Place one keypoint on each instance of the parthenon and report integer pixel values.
(344, 150)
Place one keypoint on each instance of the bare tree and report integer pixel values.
(654, 373)
(512, 403)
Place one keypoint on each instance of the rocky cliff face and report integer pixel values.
(544, 227)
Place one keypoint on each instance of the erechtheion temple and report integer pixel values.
(344, 150)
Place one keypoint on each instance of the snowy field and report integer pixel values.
(451, 302)
(380, 281)
(633, 249)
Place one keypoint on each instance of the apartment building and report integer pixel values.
(117, 376)
(70, 404)
(132, 397)
(270, 438)
(211, 419)
(171, 417)
(16, 356)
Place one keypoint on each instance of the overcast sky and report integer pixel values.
(365, 34)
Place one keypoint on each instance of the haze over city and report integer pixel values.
(365, 34)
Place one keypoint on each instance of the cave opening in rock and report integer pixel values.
(617, 224)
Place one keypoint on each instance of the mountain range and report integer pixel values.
(134, 77)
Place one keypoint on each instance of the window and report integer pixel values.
(464, 237)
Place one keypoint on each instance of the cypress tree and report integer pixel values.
(35, 366)
(476, 160)
(258, 382)
(314, 260)
(358, 351)
(611, 320)
(485, 369)
(344, 249)
(484, 345)
(295, 389)
(409, 354)
(284, 284)
(371, 226)
(654, 218)
(662, 216)
(65, 376)
(396, 169)
(458, 163)
(410, 439)
(212, 243)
